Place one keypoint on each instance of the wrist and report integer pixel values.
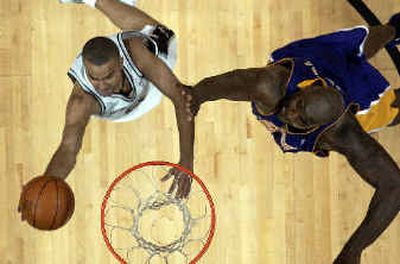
(188, 164)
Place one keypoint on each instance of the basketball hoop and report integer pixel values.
(142, 223)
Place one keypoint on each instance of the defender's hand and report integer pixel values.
(191, 103)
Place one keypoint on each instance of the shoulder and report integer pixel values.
(345, 136)
(156, 38)
(81, 105)
(270, 88)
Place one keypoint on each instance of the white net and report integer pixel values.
(145, 224)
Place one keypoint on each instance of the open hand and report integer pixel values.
(181, 183)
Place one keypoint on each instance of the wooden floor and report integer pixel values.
(271, 208)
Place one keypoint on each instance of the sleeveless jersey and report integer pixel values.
(146, 96)
(337, 60)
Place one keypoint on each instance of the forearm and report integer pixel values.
(224, 86)
(186, 131)
(237, 85)
(62, 162)
(384, 207)
(123, 16)
(371, 161)
(382, 172)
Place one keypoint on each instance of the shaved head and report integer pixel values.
(312, 106)
(99, 50)
(323, 105)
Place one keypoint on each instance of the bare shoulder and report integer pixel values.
(345, 136)
(155, 70)
(81, 105)
(155, 37)
(135, 46)
(270, 85)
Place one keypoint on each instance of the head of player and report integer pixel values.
(103, 65)
(311, 107)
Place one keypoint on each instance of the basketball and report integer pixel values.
(46, 203)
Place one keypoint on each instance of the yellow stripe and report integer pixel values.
(309, 82)
(379, 115)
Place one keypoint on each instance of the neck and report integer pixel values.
(125, 89)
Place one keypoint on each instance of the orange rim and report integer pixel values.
(159, 163)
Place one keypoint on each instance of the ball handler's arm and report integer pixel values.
(123, 16)
(371, 161)
(79, 109)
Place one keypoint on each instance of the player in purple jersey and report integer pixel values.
(322, 95)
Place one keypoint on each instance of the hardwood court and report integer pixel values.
(272, 208)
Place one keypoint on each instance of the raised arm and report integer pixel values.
(163, 78)
(123, 16)
(79, 109)
(371, 161)
(265, 85)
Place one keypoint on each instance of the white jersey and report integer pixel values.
(146, 96)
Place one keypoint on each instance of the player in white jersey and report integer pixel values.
(120, 78)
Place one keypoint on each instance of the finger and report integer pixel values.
(170, 173)
(24, 212)
(23, 216)
(178, 179)
(173, 187)
(166, 177)
(189, 111)
(189, 97)
(187, 188)
(182, 187)
(179, 192)
(20, 203)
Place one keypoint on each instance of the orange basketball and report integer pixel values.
(46, 203)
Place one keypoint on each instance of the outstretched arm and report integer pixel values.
(123, 16)
(163, 78)
(371, 161)
(79, 109)
(265, 85)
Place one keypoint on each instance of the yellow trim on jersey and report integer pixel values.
(309, 82)
(379, 115)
